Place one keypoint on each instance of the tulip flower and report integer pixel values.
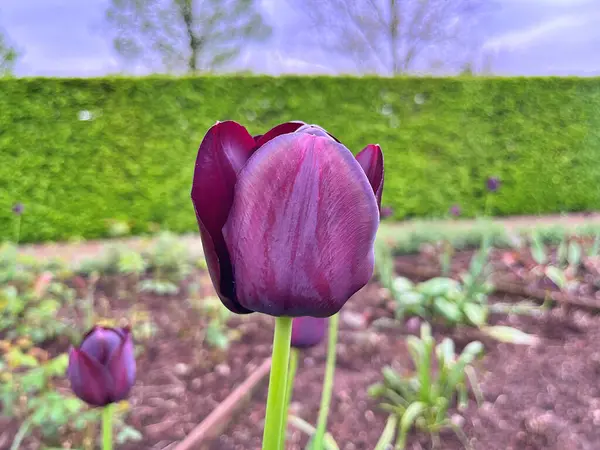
(102, 369)
(386, 212)
(493, 184)
(307, 331)
(455, 210)
(287, 218)
(18, 209)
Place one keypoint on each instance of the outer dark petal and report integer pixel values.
(371, 160)
(90, 380)
(122, 369)
(283, 128)
(302, 228)
(222, 154)
(308, 331)
(100, 343)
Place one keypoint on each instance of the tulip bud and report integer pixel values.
(493, 184)
(455, 210)
(102, 370)
(307, 331)
(18, 209)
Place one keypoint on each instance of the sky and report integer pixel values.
(526, 37)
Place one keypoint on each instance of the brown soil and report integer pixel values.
(542, 397)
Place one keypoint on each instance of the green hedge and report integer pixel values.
(442, 138)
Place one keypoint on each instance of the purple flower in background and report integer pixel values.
(308, 331)
(455, 210)
(18, 209)
(287, 218)
(102, 369)
(493, 184)
(386, 212)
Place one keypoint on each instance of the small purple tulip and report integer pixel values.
(18, 209)
(287, 218)
(308, 331)
(102, 369)
(455, 210)
(493, 184)
(386, 212)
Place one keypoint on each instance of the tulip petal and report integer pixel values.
(316, 130)
(222, 154)
(302, 227)
(100, 343)
(283, 128)
(307, 331)
(89, 379)
(371, 160)
(122, 368)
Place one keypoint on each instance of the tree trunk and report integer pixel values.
(394, 24)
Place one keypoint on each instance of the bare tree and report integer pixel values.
(185, 35)
(8, 56)
(392, 36)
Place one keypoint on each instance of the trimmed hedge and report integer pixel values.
(442, 137)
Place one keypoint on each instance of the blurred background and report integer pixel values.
(385, 37)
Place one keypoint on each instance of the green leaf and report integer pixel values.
(561, 253)
(450, 311)
(538, 251)
(557, 276)
(510, 335)
(438, 286)
(407, 420)
(402, 285)
(387, 436)
(477, 314)
(574, 254)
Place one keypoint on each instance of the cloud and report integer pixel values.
(543, 31)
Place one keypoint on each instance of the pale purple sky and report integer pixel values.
(529, 37)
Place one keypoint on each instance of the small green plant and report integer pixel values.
(216, 333)
(423, 399)
(168, 264)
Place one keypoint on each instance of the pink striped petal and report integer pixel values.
(284, 128)
(302, 227)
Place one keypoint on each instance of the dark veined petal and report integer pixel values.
(283, 128)
(122, 369)
(302, 228)
(101, 343)
(89, 379)
(223, 152)
(308, 331)
(371, 160)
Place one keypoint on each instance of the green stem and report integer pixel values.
(18, 230)
(277, 383)
(107, 427)
(327, 383)
(289, 389)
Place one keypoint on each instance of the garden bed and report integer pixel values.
(544, 396)
(540, 397)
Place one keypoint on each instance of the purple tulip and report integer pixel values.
(493, 184)
(287, 220)
(102, 369)
(455, 210)
(386, 212)
(308, 331)
(18, 209)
